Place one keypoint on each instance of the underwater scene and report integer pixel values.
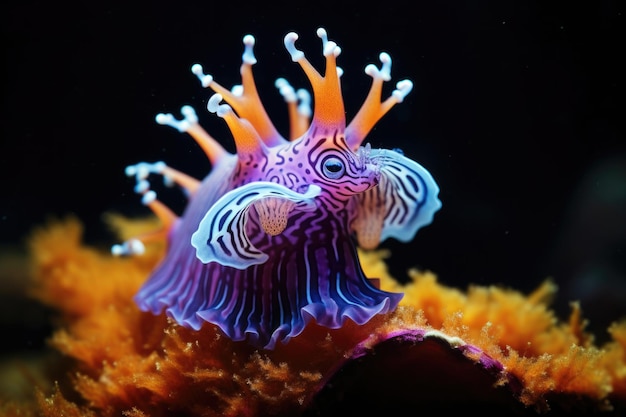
(221, 210)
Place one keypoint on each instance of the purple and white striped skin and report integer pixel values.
(268, 241)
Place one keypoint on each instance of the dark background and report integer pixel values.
(517, 111)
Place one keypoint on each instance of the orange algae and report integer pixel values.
(126, 362)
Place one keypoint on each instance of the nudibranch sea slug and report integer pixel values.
(268, 240)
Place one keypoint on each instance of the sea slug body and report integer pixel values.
(268, 240)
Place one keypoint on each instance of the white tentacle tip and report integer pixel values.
(384, 72)
(148, 197)
(403, 88)
(322, 34)
(205, 79)
(130, 171)
(168, 119)
(304, 97)
(331, 48)
(248, 53)
(190, 114)
(130, 247)
(142, 186)
(164, 119)
(237, 90)
(286, 90)
(385, 69)
(328, 47)
(290, 45)
(214, 106)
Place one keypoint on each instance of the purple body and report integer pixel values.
(269, 239)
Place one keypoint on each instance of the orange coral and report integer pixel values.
(136, 364)
(614, 361)
(522, 333)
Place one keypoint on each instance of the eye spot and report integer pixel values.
(333, 167)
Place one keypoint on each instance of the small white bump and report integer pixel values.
(163, 119)
(384, 72)
(329, 48)
(190, 114)
(167, 119)
(148, 197)
(130, 247)
(304, 108)
(142, 186)
(248, 53)
(214, 106)
(130, 170)
(214, 102)
(205, 79)
(403, 88)
(321, 33)
(290, 45)
(159, 166)
(237, 90)
(136, 247)
(286, 90)
(117, 250)
(143, 170)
